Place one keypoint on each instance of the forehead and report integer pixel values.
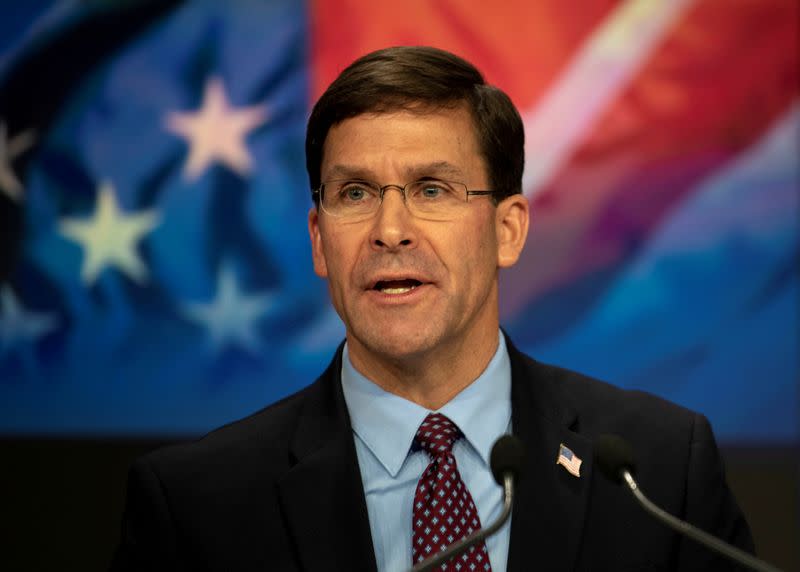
(404, 143)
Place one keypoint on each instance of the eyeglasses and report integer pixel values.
(430, 199)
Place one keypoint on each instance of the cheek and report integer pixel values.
(482, 244)
(472, 253)
(340, 253)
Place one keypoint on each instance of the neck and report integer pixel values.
(433, 378)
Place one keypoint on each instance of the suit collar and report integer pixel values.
(322, 496)
(550, 503)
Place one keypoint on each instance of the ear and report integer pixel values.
(512, 229)
(317, 253)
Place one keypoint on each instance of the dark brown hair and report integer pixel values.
(422, 79)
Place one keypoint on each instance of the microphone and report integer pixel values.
(505, 460)
(614, 458)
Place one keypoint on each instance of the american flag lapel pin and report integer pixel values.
(569, 460)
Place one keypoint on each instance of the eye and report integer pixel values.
(432, 189)
(354, 192)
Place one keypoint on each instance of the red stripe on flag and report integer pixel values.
(521, 46)
(723, 75)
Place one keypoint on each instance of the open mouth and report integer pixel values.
(396, 286)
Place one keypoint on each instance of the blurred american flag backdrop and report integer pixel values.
(153, 198)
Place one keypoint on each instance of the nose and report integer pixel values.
(393, 227)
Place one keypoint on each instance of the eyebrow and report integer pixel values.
(436, 169)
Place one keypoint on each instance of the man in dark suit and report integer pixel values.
(416, 166)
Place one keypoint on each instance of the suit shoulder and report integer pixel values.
(588, 392)
(601, 407)
(263, 434)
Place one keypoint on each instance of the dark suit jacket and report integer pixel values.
(281, 489)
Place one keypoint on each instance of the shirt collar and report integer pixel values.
(387, 423)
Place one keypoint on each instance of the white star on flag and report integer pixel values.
(109, 237)
(216, 131)
(231, 317)
(10, 149)
(18, 326)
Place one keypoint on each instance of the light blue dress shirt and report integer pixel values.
(384, 426)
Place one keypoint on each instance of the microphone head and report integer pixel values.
(507, 456)
(613, 455)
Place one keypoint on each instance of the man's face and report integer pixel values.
(405, 286)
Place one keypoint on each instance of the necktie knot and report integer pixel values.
(437, 434)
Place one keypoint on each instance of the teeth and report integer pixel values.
(402, 290)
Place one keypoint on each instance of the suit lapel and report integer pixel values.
(322, 495)
(550, 503)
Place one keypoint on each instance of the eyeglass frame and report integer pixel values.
(318, 192)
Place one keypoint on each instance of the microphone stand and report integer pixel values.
(478, 535)
(735, 554)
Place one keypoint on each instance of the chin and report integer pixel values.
(397, 343)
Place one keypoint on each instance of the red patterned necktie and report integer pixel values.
(443, 509)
